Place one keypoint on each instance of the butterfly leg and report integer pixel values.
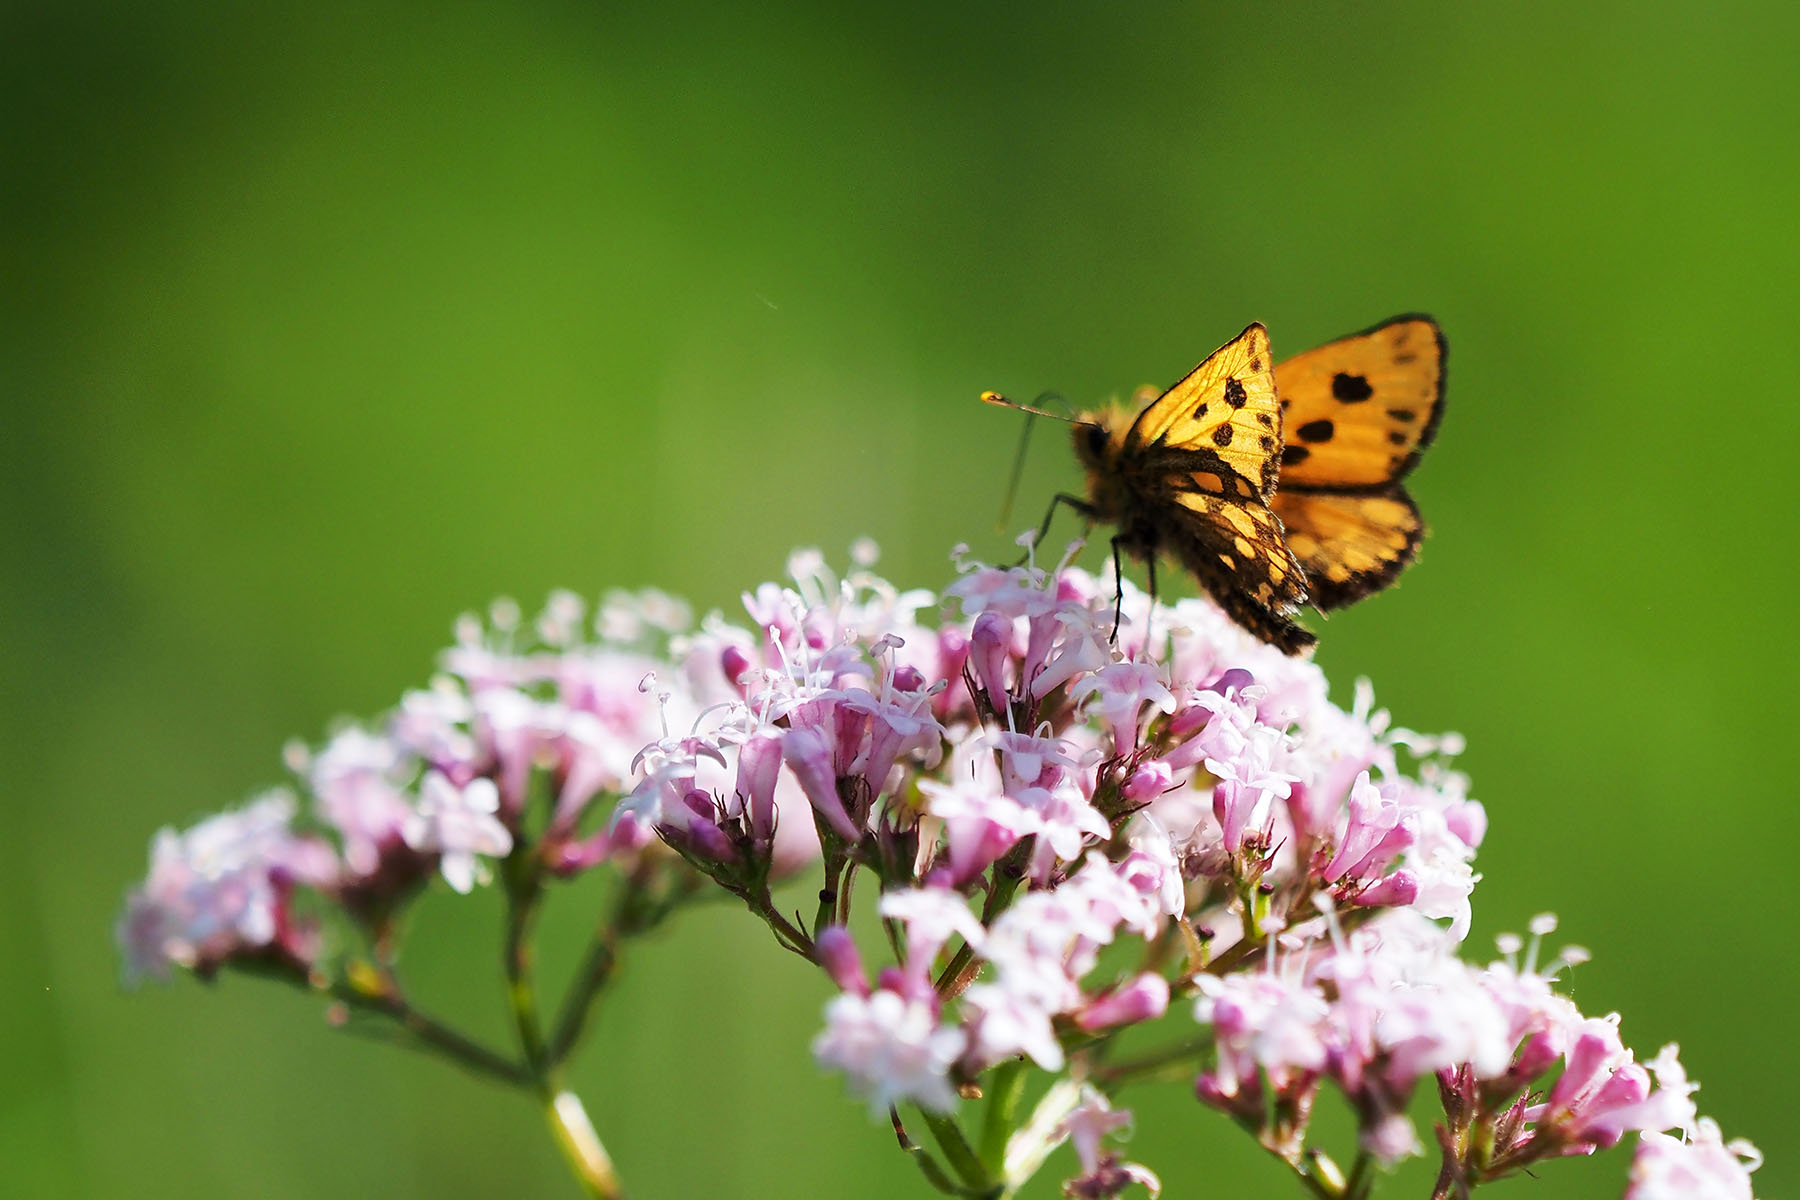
(1118, 589)
(1075, 502)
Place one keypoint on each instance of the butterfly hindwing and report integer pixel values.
(1357, 412)
(1236, 551)
(1223, 410)
(1239, 542)
(1349, 544)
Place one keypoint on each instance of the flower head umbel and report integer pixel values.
(1023, 833)
(223, 889)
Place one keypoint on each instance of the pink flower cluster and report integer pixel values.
(1378, 1011)
(1068, 830)
(442, 786)
(222, 890)
(1039, 949)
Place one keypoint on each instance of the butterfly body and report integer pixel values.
(1191, 505)
(1274, 486)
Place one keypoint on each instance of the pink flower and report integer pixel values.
(842, 961)
(891, 1049)
(458, 824)
(807, 753)
(1264, 1025)
(356, 789)
(1376, 833)
(1699, 1166)
(1143, 999)
(220, 890)
(520, 733)
(1603, 1093)
(980, 822)
(1120, 691)
(1149, 782)
(1247, 782)
(1103, 1175)
(932, 916)
(758, 773)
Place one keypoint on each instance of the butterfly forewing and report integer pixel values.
(1223, 411)
(1356, 413)
(1349, 544)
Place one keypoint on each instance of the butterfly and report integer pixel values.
(1194, 473)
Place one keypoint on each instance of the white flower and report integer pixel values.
(891, 1049)
(1702, 1167)
(458, 823)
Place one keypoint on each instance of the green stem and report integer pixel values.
(428, 1035)
(524, 886)
(835, 858)
(957, 1152)
(956, 975)
(1042, 1132)
(635, 911)
(1132, 1070)
(578, 1002)
(1317, 1171)
(1005, 1090)
(788, 933)
(580, 1145)
(573, 1132)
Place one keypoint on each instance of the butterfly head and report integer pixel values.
(1095, 436)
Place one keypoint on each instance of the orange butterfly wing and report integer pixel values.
(1350, 545)
(1357, 414)
(1224, 410)
(1359, 411)
(1235, 549)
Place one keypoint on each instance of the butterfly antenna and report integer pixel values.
(1003, 402)
(1018, 469)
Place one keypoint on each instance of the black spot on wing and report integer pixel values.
(1316, 431)
(1294, 455)
(1200, 411)
(1235, 395)
(1405, 415)
(1350, 389)
(1221, 437)
(1398, 438)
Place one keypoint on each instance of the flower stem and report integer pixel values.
(569, 1124)
(635, 911)
(580, 1145)
(1005, 1090)
(432, 1036)
(1117, 1075)
(524, 886)
(958, 1153)
(1042, 1132)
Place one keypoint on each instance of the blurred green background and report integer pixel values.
(325, 322)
